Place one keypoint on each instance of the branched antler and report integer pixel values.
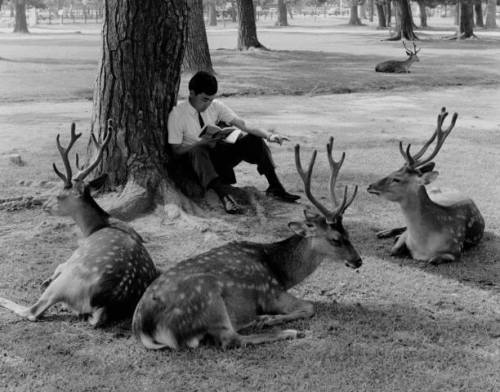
(415, 161)
(64, 155)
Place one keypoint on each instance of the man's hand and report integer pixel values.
(213, 134)
(276, 138)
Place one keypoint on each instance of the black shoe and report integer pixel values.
(230, 205)
(282, 195)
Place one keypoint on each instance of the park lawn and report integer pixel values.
(393, 325)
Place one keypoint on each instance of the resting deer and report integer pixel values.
(244, 284)
(396, 66)
(108, 273)
(439, 224)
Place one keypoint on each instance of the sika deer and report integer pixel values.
(440, 224)
(395, 66)
(243, 284)
(106, 276)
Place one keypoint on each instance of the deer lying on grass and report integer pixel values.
(396, 66)
(107, 275)
(244, 284)
(439, 225)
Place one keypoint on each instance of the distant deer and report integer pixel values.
(439, 225)
(244, 284)
(396, 66)
(106, 276)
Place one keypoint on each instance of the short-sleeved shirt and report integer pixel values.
(184, 125)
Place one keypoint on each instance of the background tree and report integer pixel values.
(404, 27)
(282, 14)
(20, 23)
(137, 85)
(247, 30)
(491, 22)
(423, 13)
(466, 29)
(212, 13)
(478, 10)
(197, 54)
(354, 18)
(379, 4)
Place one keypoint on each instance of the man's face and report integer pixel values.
(200, 101)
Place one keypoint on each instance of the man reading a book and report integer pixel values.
(207, 135)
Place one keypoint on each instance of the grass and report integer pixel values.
(395, 325)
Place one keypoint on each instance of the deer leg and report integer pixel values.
(98, 317)
(391, 232)
(400, 247)
(287, 307)
(442, 258)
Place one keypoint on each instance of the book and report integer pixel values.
(233, 136)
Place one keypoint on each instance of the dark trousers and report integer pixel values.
(219, 161)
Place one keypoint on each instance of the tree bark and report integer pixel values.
(491, 21)
(20, 24)
(388, 11)
(371, 9)
(478, 10)
(137, 85)
(466, 19)
(354, 18)
(197, 54)
(212, 13)
(405, 28)
(247, 30)
(381, 15)
(423, 13)
(282, 14)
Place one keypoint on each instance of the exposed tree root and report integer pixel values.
(461, 37)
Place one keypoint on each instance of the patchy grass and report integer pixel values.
(393, 325)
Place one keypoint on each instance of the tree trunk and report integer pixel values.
(381, 15)
(247, 30)
(212, 13)
(197, 54)
(491, 21)
(137, 85)
(362, 9)
(388, 12)
(354, 18)
(371, 9)
(423, 13)
(478, 10)
(405, 28)
(282, 14)
(466, 19)
(20, 25)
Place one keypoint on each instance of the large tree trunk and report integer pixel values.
(247, 30)
(491, 21)
(282, 14)
(212, 13)
(466, 19)
(137, 85)
(381, 15)
(388, 11)
(354, 18)
(405, 28)
(478, 10)
(423, 13)
(371, 9)
(20, 24)
(197, 54)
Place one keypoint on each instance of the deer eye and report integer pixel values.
(396, 180)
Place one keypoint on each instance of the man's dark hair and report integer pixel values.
(203, 82)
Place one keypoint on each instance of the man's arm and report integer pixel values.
(268, 135)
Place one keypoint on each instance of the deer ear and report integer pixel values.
(310, 214)
(427, 178)
(304, 229)
(427, 167)
(97, 183)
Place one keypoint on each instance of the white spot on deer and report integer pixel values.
(198, 289)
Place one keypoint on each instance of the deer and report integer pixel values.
(107, 274)
(398, 66)
(244, 284)
(440, 224)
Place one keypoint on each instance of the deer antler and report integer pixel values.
(413, 161)
(100, 149)
(64, 155)
(306, 179)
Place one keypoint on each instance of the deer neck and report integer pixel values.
(416, 207)
(292, 260)
(89, 220)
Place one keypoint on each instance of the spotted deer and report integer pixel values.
(398, 66)
(242, 284)
(439, 224)
(106, 276)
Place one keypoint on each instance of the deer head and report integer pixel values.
(75, 198)
(417, 170)
(412, 54)
(325, 230)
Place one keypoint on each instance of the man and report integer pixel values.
(198, 141)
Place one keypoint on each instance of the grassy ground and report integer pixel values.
(395, 325)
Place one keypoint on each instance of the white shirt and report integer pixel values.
(184, 126)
